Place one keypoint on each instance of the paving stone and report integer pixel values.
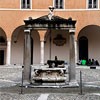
(12, 96)
(73, 97)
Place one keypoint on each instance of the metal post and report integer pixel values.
(81, 91)
(22, 80)
(50, 44)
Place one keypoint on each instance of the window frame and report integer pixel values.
(59, 7)
(25, 7)
(97, 4)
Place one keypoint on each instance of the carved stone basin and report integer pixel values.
(49, 74)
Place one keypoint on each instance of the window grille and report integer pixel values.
(59, 4)
(25, 4)
(92, 3)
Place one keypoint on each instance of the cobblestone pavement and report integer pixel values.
(10, 96)
(10, 76)
(57, 96)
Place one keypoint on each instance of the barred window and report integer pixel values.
(25, 4)
(92, 3)
(59, 4)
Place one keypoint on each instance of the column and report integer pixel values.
(72, 71)
(27, 55)
(42, 52)
(8, 57)
(76, 56)
(42, 39)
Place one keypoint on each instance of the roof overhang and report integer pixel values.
(44, 22)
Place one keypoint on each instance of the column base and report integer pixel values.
(73, 83)
(42, 64)
(7, 64)
(26, 82)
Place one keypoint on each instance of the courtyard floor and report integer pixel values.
(10, 79)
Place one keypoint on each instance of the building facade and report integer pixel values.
(14, 12)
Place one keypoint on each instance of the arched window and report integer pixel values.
(59, 4)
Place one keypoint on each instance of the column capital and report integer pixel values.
(72, 31)
(76, 40)
(8, 39)
(42, 40)
(27, 30)
(42, 34)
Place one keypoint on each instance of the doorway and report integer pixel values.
(83, 48)
(1, 57)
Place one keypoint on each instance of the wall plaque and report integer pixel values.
(59, 40)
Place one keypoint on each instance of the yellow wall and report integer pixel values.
(10, 19)
(75, 4)
(43, 4)
(9, 3)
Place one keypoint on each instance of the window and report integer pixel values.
(92, 3)
(59, 4)
(25, 4)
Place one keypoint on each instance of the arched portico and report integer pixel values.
(17, 46)
(90, 34)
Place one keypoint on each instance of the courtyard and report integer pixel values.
(11, 78)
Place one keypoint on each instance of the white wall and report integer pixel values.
(62, 52)
(17, 49)
(36, 47)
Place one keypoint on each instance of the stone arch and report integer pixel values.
(17, 53)
(92, 33)
(16, 33)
